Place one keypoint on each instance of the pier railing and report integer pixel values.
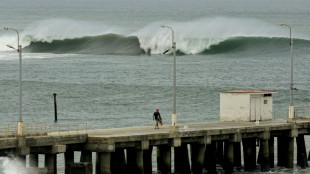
(42, 129)
(302, 111)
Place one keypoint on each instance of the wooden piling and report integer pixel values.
(210, 155)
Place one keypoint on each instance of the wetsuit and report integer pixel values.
(156, 115)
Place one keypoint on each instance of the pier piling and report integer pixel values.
(181, 161)
(164, 158)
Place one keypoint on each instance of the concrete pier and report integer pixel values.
(127, 150)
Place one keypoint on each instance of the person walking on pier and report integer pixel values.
(157, 118)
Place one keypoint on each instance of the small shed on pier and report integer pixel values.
(246, 105)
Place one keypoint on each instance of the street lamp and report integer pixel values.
(291, 107)
(174, 113)
(19, 50)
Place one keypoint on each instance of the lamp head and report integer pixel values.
(6, 28)
(163, 26)
(10, 46)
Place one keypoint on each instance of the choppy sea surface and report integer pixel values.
(104, 59)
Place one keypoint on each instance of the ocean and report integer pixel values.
(104, 59)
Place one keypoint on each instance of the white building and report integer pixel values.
(246, 105)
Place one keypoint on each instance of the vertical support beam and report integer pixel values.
(33, 160)
(237, 155)
(290, 152)
(147, 160)
(219, 152)
(97, 162)
(210, 155)
(118, 161)
(281, 144)
(181, 160)
(86, 156)
(271, 151)
(164, 158)
(69, 158)
(50, 163)
(301, 152)
(197, 156)
(228, 157)
(105, 163)
(249, 151)
(135, 160)
(265, 159)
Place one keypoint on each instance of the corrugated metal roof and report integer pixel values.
(250, 91)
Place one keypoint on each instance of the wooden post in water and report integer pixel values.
(55, 106)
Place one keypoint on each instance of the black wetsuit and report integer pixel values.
(156, 115)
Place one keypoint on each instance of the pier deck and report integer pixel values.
(208, 141)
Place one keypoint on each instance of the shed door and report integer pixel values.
(255, 108)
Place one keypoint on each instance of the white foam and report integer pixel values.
(195, 36)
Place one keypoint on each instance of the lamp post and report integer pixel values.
(19, 50)
(174, 113)
(291, 107)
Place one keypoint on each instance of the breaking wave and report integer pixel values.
(113, 44)
(215, 35)
(103, 44)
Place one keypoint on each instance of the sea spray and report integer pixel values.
(12, 166)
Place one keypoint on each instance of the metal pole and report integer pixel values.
(291, 107)
(19, 50)
(174, 113)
